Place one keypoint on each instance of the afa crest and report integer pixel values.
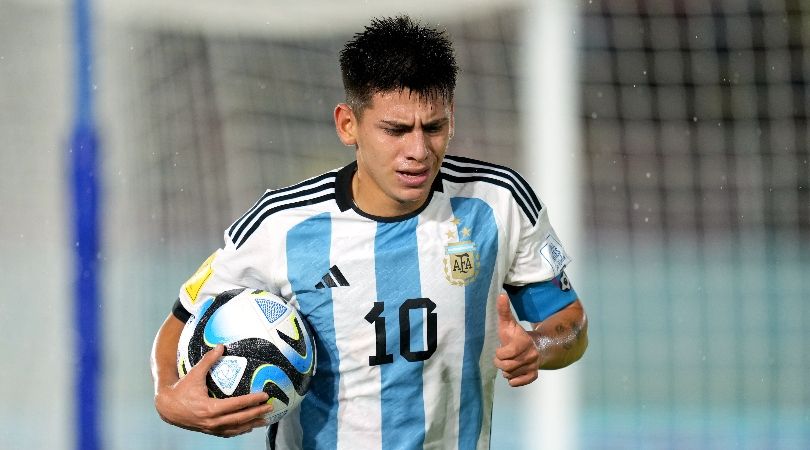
(461, 263)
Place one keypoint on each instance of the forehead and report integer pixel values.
(406, 103)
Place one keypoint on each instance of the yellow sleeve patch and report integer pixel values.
(196, 282)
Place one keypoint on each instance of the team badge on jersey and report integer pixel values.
(461, 263)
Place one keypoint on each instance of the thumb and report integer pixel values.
(505, 318)
(208, 360)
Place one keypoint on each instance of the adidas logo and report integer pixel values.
(333, 278)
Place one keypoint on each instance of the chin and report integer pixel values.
(414, 199)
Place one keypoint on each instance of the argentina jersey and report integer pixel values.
(403, 308)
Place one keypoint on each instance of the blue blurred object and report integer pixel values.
(85, 188)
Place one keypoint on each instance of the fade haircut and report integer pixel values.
(397, 54)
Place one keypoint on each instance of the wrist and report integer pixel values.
(542, 343)
(164, 384)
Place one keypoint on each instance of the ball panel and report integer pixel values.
(274, 381)
(272, 309)
(227, 373)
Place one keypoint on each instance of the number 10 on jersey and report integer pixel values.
(376, 318)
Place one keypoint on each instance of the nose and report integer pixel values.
(419, 147)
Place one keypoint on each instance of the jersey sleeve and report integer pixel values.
(227, 268)
(536, 281)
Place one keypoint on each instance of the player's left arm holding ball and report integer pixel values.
(184, 401)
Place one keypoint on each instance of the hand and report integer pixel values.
(186, 404)
(517, 356)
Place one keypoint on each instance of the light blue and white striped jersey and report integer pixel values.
(403, 308)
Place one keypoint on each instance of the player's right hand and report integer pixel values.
(186, 404)
(518, 356)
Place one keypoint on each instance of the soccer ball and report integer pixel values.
(269, 347)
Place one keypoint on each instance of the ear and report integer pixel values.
(452, 119)
(346, 124)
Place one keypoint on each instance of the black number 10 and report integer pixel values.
(375, 316)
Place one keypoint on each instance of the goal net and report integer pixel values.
(694, 117)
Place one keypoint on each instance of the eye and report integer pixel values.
(394, 131)
(434, 129)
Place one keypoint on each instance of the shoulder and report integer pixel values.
(468, 176)
(314, 194)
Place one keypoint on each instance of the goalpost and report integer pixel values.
(552, 161)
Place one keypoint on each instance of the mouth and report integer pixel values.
(413, 177)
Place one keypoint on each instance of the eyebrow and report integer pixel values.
(433, 123)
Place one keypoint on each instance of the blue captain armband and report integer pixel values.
(537, 301)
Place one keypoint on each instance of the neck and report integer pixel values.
(363, 199)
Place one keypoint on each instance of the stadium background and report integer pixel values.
(693, 174)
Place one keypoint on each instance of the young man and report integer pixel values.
(411, 337)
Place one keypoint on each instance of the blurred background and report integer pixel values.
(684, 195)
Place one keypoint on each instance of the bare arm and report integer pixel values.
(553, 343)
(184, 402)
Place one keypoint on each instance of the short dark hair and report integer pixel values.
(397, 54)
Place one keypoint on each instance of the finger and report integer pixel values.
(523, 380)
(239, 429)
(514, 366)
(505, 318)
(258, 423)
(248, 402)
(507, 352)
(229, 432)
(207, 361)
(250, 426)
(506, 365)
(518, 371)
(254, 416)
(519, 346)
(504, 311)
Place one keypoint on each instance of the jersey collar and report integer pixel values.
(343, 195)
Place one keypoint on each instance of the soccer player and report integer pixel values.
(402, 262)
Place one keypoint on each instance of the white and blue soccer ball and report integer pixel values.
(269, 347)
